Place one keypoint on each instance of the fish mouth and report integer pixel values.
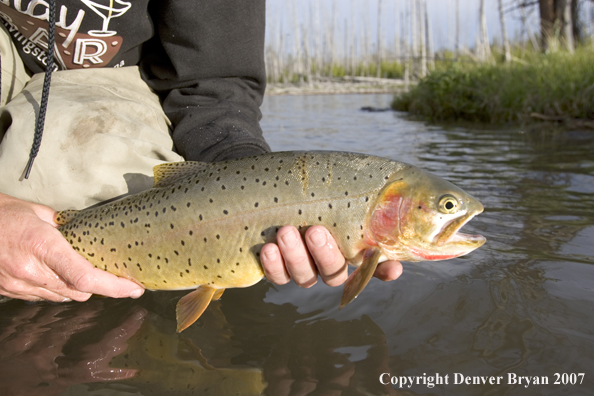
(450, 233)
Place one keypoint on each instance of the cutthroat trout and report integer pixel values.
(203, 224)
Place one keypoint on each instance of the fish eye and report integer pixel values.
(448, 204)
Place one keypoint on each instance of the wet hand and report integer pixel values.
(293, 258)
(36, 262)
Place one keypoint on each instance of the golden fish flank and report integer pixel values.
(203, 225)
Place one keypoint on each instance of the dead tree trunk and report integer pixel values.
(506, 45)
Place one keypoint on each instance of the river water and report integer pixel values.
(520, 306)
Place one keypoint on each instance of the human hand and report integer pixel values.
(36, 262)
(289, 258)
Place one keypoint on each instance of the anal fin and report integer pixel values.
(359, 279)
(192, 305)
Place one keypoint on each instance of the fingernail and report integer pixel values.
(136, 293)
(289, 239)
(270, 255)
(318, 238)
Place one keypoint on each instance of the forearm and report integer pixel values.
(211, 78)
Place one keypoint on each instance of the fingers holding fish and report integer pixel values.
(77, 273)
(388, 270)
(36, 262)
(330, 262)
(273, 264)
(298, 262)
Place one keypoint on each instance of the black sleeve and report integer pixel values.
(206, 61)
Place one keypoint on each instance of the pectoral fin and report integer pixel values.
(191, 306)
(359, 279)
(217, 295)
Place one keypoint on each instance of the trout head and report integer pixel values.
(417, 217)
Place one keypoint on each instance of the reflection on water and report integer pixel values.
(521, 304)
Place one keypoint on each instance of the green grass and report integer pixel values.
(555, 85)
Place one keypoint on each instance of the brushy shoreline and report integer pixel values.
(555, 88)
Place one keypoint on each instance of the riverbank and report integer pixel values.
(556, 88)
(339, 85)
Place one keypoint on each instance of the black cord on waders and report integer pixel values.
(46, 87)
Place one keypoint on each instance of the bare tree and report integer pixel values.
(506, 45)
(379, 54)
(484, 50)
(457, 28)
(423, 36)
(568, 26)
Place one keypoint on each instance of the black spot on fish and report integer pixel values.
(256, 204)
(218, 236)
(176, 252)
(188, 204)
(171, 225)
(313, 195)
(205, 267)
(218, 261)
(158, 267)
(246, 228)
(112, 249)
(173, 208)
(183, 243)
(150, 255)
(225, 212)
(330, 206)
(319, 218)
(346, 193)
(189, 262)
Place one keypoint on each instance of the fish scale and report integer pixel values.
(203, 225)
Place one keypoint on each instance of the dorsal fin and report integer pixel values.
(65, 216)
(170, 173)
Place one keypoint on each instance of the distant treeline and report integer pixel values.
(323, 46)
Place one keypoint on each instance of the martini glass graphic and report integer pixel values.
(106, 12)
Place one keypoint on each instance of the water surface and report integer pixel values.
(522, 304)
